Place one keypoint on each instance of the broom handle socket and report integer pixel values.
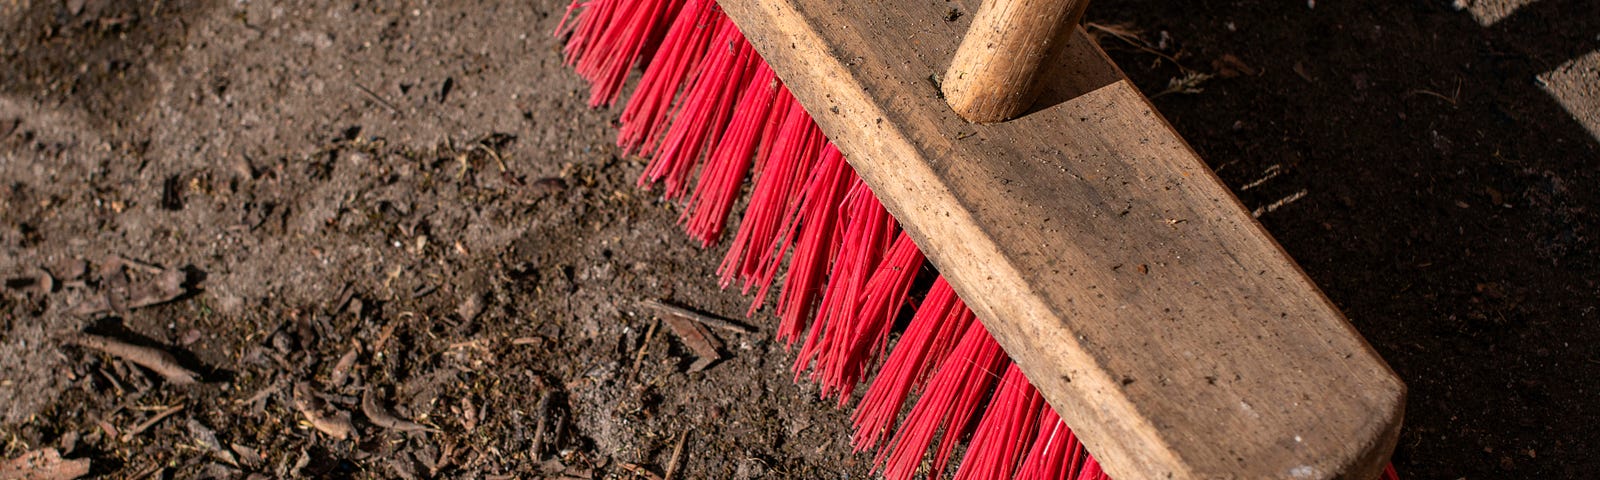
(994, 75)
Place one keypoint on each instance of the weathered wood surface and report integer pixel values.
(1153, 312)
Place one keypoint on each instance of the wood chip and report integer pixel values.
(469, 414)
(471, 306)
(165, 286)
(1230, 66)
(380, 415)
(341, 370)
(43, 464)
(109, 429)
(320, 415)
(207, 438)
(383, 336)
(248, 456)
(156, 360)
(697, 338)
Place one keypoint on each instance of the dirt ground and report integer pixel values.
(407, 201)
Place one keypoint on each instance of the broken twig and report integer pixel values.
(677, 455)
(708, 320)
(547, 432)
(644, 347)
(140, 428)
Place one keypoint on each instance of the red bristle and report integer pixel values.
(647, 114)
(1008, 424)
(1091, 471)
(1389, 473)
(782, 101)
(960, 317)
(887, 291)
(796, 148)
(951, 400)
(868, 233)
(561, 27)
(603, 51)
(586, 29)
(776, 188)
(707, 212)
(1056, 453)
(929, 338)
(812, 232)
(707, 106)
(641, 32)
(865, 331)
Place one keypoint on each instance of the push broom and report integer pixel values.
(1104, 306)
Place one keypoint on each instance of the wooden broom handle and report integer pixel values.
(994, 74)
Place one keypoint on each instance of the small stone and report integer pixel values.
(470, 307)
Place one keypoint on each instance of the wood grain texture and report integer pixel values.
(996, 71)
(1151, 310)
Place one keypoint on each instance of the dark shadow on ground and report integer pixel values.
(108, 46)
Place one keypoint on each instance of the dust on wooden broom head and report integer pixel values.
(707, 101)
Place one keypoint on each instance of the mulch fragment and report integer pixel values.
(380, 415)
(120, 293)
(156, 360)
(43, 464)
(206, 437)
(322, 416)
